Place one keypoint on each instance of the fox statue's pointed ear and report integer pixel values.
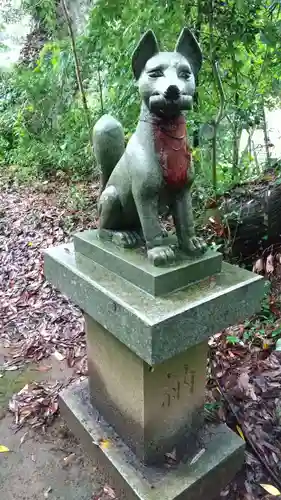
(188, 47)
(146, 48)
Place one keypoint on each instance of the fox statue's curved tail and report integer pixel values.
(108, 144)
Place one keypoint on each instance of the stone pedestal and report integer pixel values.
(152, 408)
(147, 333)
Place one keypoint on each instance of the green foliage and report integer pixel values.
(42, 123)
(262, 329)
(232, 339)
(43, 11)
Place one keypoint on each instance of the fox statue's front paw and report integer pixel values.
(194, 245)
(162, 255)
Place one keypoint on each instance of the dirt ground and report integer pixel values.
(42, 466)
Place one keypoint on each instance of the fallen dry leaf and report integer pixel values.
(67, 460)
(3, 449)
(109, 491)
(258, 267)
(104, 443)
(47, 492)
(58, 356)
(23, 438)
(269, 266)
(240, 432)
(43, 369)
(11, 368)
(278, 257)
(172, 455)
(106, 493)
(271, 489)
(197, 456)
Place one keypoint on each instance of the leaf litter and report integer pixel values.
(246, 379)
(36, 404)
(37, 322)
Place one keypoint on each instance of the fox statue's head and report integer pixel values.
(166, 80)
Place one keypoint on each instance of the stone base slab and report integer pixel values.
(220, 455)
(155, 328)
(133, 265)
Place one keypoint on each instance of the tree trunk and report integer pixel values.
(266, 137)
(252, 218)
(196, 135)
(236, 127)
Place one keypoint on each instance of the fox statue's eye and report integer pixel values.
(156, 73)
(185, 74)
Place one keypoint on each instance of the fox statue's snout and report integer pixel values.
(166, 80)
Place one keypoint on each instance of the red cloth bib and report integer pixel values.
(174, 153)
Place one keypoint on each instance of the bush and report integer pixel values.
(42, 122)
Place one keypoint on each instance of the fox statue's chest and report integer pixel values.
(170, 142)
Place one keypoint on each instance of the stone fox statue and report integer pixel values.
(156, 166)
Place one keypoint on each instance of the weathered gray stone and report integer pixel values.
(155, 328)
(131, 480)
(155, 168)
(152, 410)
(133, 265)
